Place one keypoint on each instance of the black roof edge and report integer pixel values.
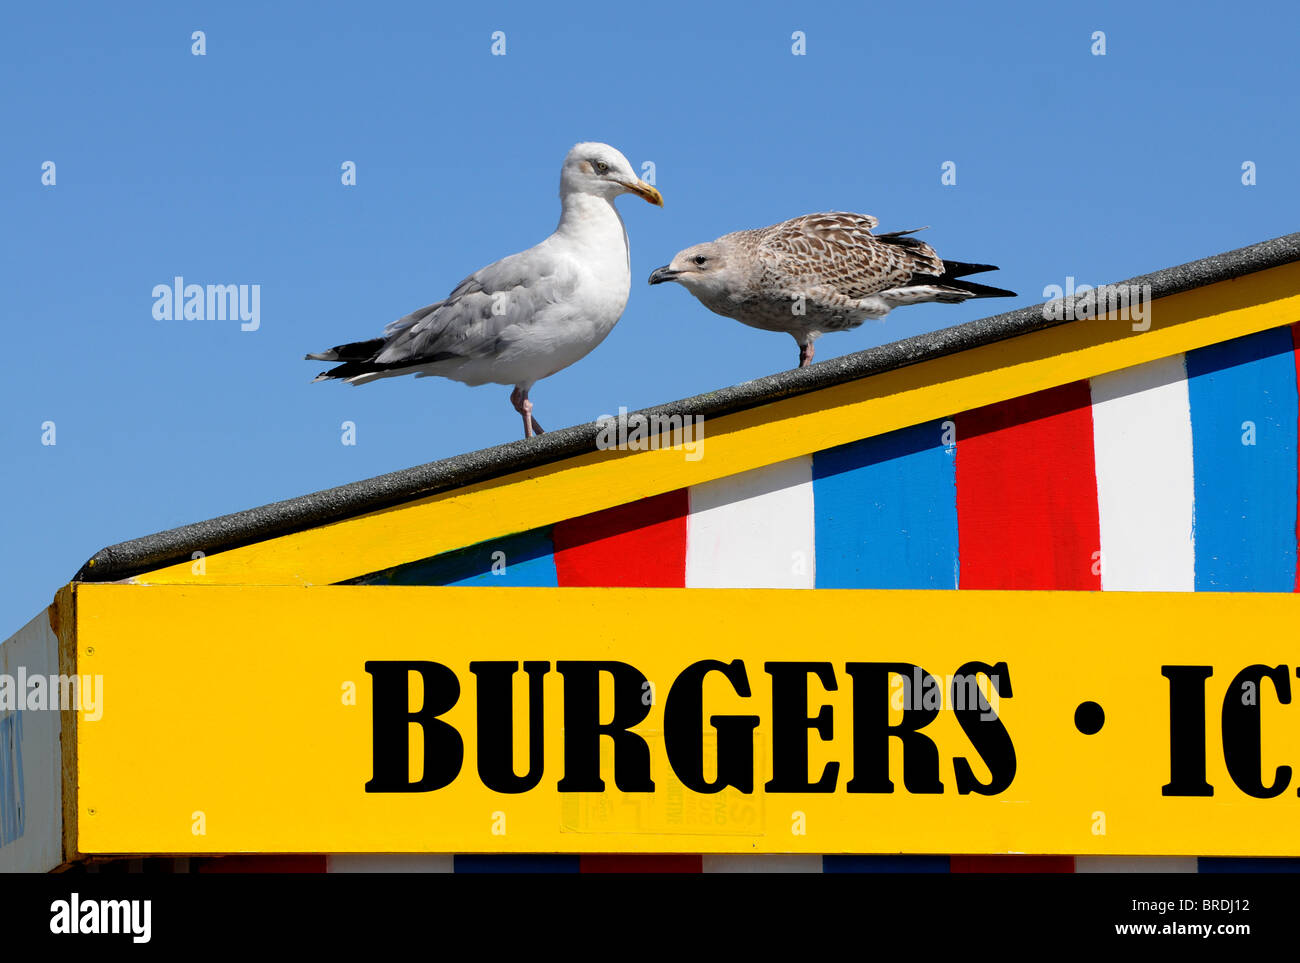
(140, 555)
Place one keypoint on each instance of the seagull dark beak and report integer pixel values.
(665, 273)
(642, 189)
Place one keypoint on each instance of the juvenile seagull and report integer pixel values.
(528, 315)
(819, 273)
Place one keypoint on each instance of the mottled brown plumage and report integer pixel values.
(840, 251)
(819, 273)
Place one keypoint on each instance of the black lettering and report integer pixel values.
(983, 728)
(872, 731)
(1186, 730)
(444, 750)
(1241, 730)
(790, 725)
(684, 730)
(496, 756)
(583, 728)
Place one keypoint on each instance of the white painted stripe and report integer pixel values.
(753, 530)
(389, 863)
(1142, 434)
(755, 863)
(1135, 864)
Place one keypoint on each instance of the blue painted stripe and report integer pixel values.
(1241, 864)
(526, 559)
(885, 864)
(886, 511)
(1245, 493)
(493, 863)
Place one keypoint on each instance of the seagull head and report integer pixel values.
(703, 269)
(603, 171)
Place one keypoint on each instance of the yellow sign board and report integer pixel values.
(478, 720)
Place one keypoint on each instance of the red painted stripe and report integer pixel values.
(1027, 493)
(1012, 864)
(304, 863)
(1027, 519)
(1295, 343)
(639, 545)
(641, 864)
(642, 545)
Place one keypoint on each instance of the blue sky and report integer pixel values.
(225, 169)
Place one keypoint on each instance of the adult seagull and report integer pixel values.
(528, 315)
(819, 273)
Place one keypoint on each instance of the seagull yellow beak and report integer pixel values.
(642, 189)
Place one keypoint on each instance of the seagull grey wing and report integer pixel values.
(469, 285)
(477, 317)
(835, 255)
(401, 324)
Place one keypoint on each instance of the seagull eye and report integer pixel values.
(699, 259)
(601, 167)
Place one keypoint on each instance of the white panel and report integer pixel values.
(753, 530)
(31, 764)
(756, 863)
(1135, 864)
(389, 863)
(1142, 432)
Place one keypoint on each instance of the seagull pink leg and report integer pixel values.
(519, 398)
(805, 354)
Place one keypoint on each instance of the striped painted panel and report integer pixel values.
(1027, 493)
(886, 511)
(553, 863)
(1244, 410)
(753, 530)
(390, 863)
(793, 863)
(1142, 439)
(640, 545)
(1177, 475)
(525, 560)
(887, 864)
